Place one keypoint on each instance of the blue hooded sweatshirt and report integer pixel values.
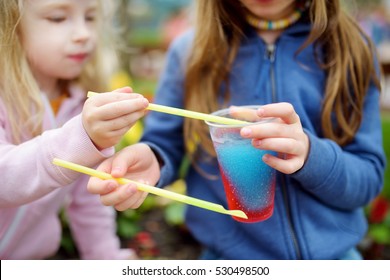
(318, 210)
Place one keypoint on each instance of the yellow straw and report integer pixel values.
(187, 113)
(150, 189)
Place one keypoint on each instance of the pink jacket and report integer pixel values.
(33, 190)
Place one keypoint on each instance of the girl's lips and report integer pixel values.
(263, 1)
(78, 57)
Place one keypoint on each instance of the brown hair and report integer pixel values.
(349, 65)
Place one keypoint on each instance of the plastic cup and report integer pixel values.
(249, 183)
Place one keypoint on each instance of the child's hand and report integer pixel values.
(285, 136)
(136, 162)
(108, 116)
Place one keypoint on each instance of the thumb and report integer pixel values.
(121, 162)
(124, 90)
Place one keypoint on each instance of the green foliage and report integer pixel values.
(145, 37)
(378, 211)
(174, 214)
(128, 220)
(126, 225)
(380, 233)
(386, 145)
(67, 246)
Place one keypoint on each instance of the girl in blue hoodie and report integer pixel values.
(316, 71)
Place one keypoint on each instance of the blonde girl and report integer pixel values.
(50, 54)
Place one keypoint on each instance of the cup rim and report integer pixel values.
(222, 111)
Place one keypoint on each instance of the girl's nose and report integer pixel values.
(82, 31)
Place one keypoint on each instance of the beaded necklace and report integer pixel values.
(277, 24)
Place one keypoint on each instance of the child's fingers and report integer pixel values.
(132, 202)
(121, 194)
(268, 129)
(245, 114)
(286, 166)
(124, 121)
(124, 89)
(280, 145)
(101, 187)
(122, 108)
(283, 110)
(122, 161)
(112, 97)
(141, 199)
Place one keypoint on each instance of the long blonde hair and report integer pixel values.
(19, 91)
(348, 64)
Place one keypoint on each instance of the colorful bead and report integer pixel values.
(278, 24)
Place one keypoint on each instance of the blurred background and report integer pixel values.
(157, 230)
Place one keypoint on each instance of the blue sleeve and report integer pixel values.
(164, 132)
(350, 176)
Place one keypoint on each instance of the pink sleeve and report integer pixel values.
(93, 226)
(27, 172)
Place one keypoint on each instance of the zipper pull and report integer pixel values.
(270, 52)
